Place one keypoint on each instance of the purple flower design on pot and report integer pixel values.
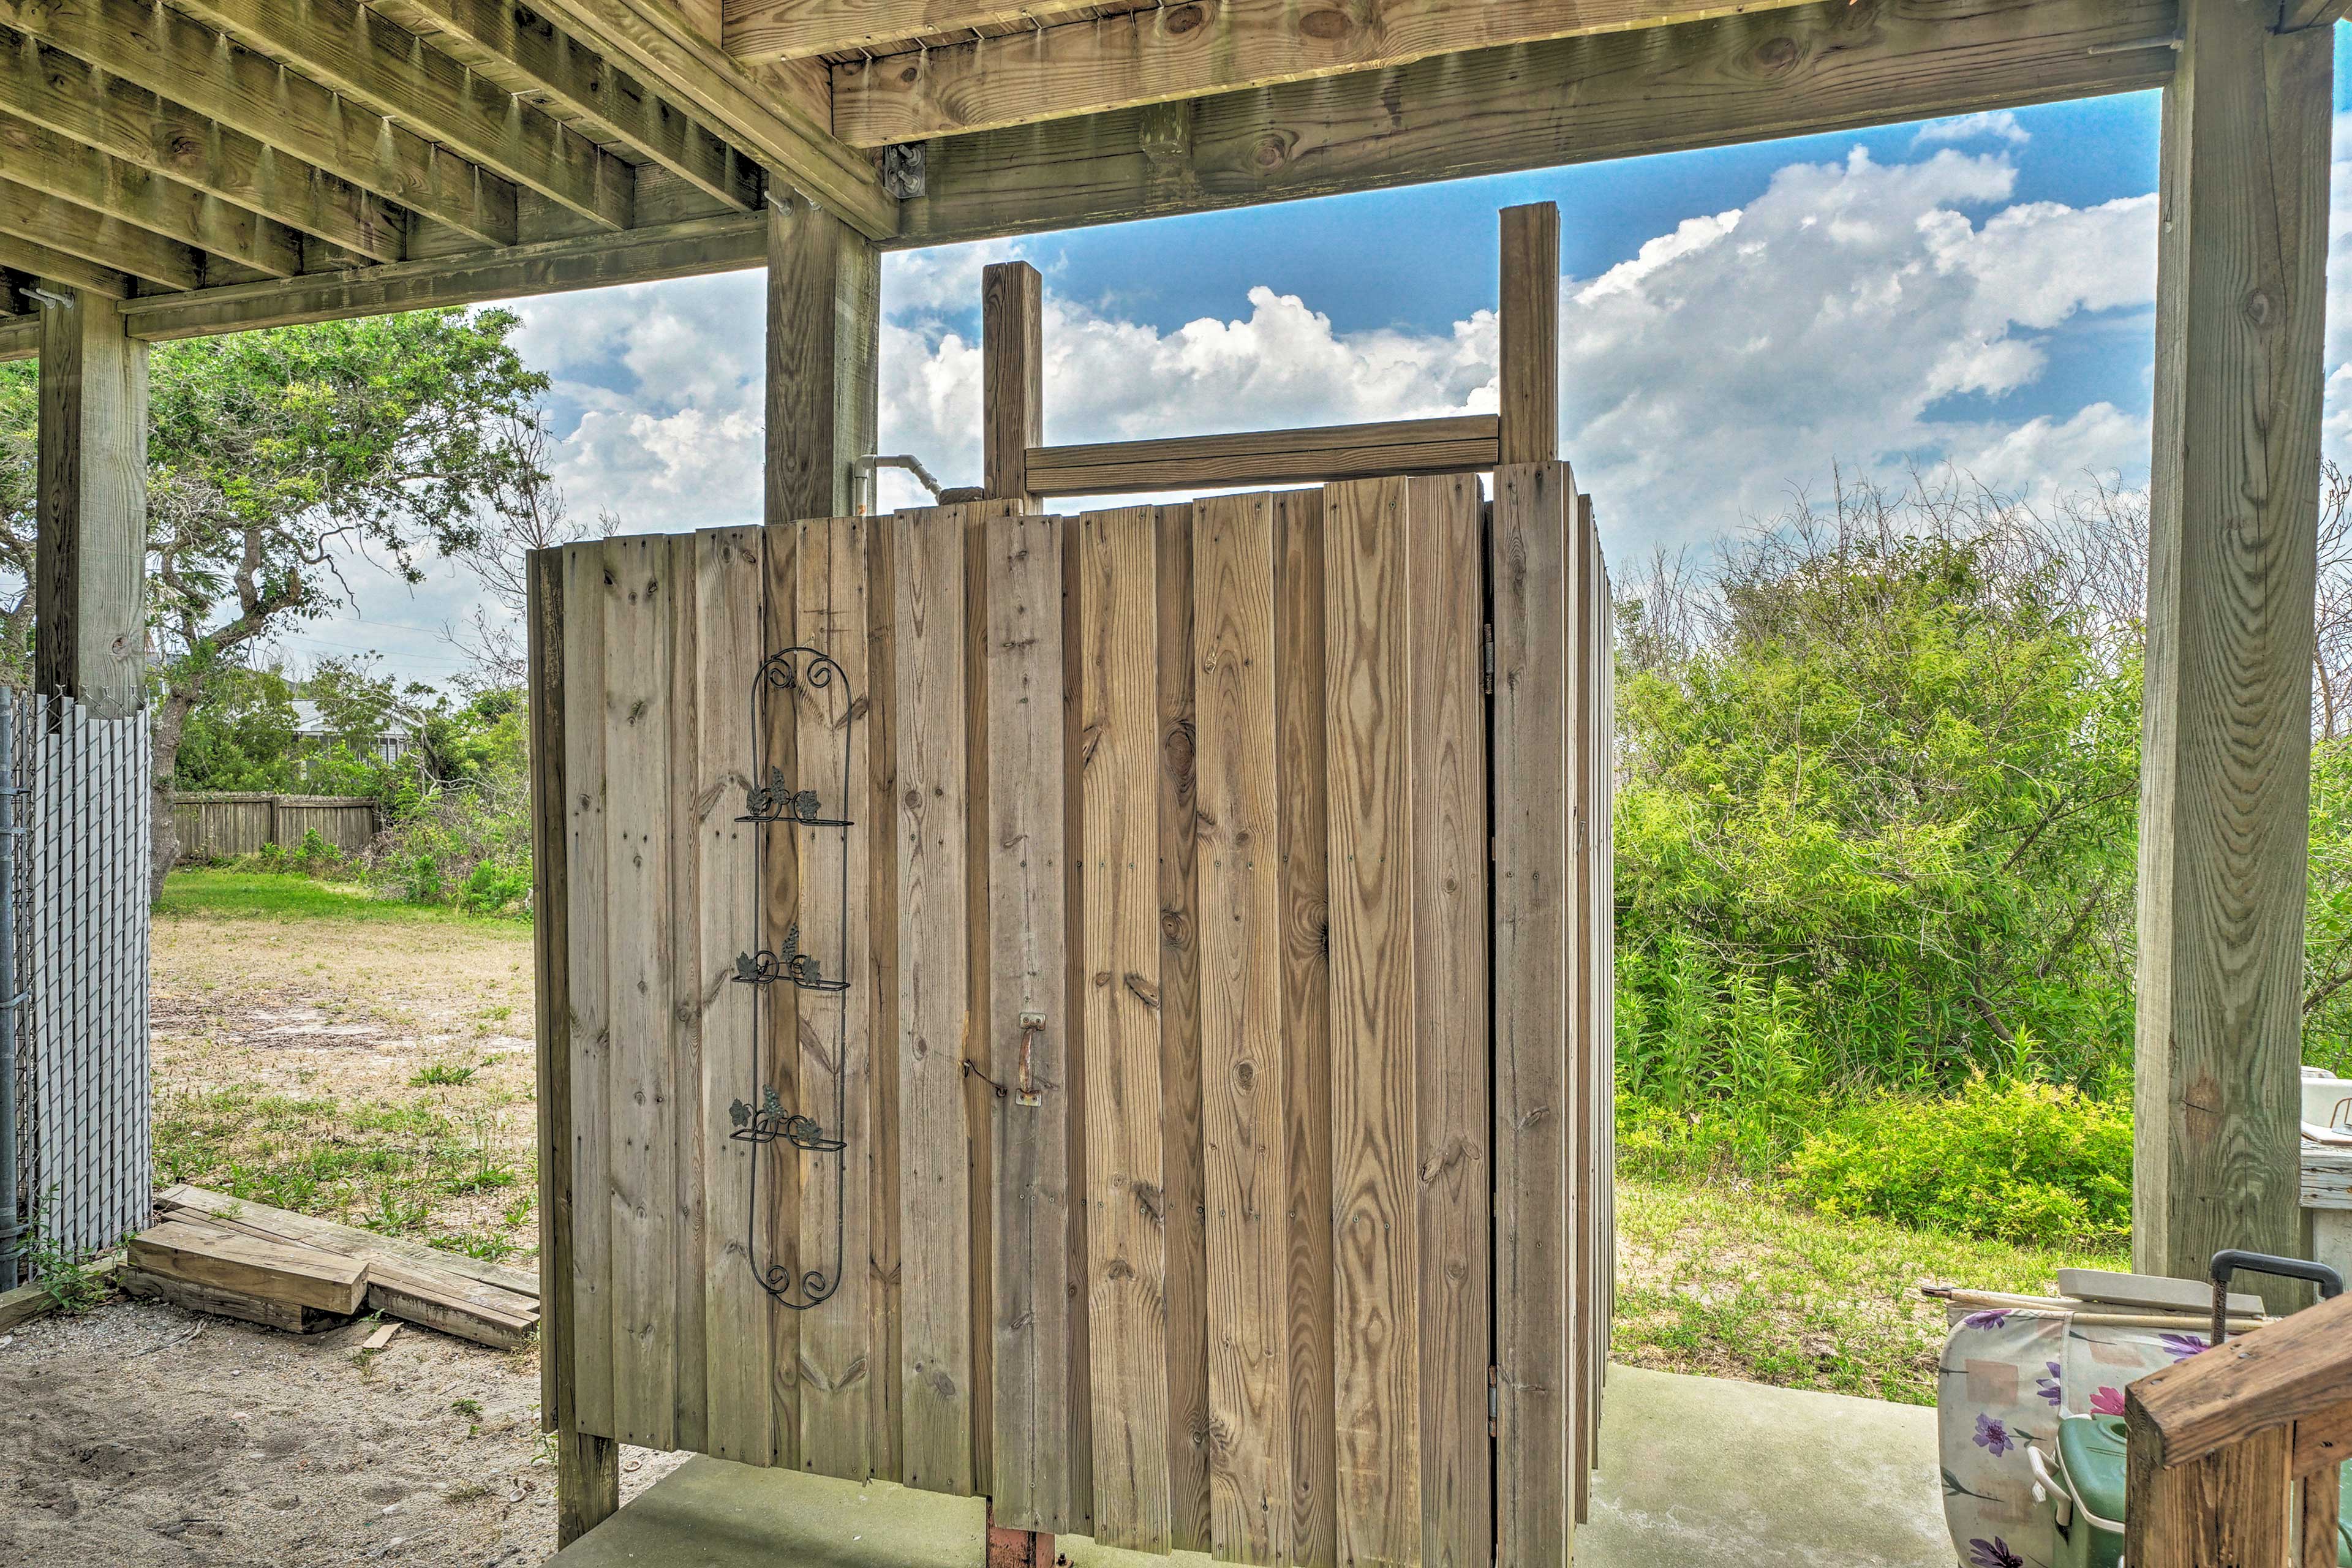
(1988, 1320)
(2048, 1384)
(1992, 1437)
(2181, 1346)
(1993, 1554)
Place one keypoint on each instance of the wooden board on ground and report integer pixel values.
(27, 1302)
(227, 1260)
(223, 1303)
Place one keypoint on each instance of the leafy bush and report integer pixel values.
(2006, 1159)
(314, 856)
(496, 889)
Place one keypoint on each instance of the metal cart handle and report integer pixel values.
(2229, 1260)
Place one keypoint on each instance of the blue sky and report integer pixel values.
(1735, 323)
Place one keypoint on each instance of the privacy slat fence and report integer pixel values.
(1222, 1129)
(227, 823)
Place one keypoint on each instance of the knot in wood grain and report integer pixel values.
(1775, 57)
(1327, 25)
(1273, 151)
(1181, 19)
(2258, 307)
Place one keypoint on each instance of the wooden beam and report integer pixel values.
(20, 336)
(37, 261)
(389, 70)
(1458, 444)
(59, 166)
(754, 111)
(167, 53)
(608, 100)
(96, 236)
(688, 249)
(1012, 376)
(1154, 55)
(90, 613)
(2296, 14)
(2225, 773)
(75, 99)
(1829, 65)
(1530, 334)
(787, 29)
(824, 315)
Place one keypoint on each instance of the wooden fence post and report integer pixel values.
(91, 631)
(587, 1467)
(2226, 743)
(825, 312)
(1013, 376)
(1528, 326)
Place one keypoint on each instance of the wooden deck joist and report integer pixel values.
(33, 259)
(789, 30)
(1829, 65)
(1163, 53)
(175, 56)
(605, 100)
(77, 101)
(40, 160)
(1460, 444)
(371, 61)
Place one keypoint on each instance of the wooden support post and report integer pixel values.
(1529, 329)
(825, 313)
(90, 616)
(2226, 743)
(1013, 375)
(587, 1467)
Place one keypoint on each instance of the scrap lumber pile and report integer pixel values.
(242, 1259)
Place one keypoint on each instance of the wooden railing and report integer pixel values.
(2234, 1453)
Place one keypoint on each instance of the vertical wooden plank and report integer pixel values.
(1604, 835)
(1013, 376)
(780, 1170)
(2230, 1506)
(2318, 1511)
(1534, 1100)
(1587, 1266)
(729, 579)
(1127, 1196)
(1376, 1237)
(682, 918)
(1077, 752)
(836, 1076)
(1528, 330)
(587, 1472)
(1187, 1287)
(1241, 1074)
(934, 995)
(639, 618)
(2242, 285)
(1031, 1393)
(588, 585)
(1300, 765)
(880, 809)
(91, 582)
(1446, 771)
(980, 1044)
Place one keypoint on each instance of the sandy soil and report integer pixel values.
(139, 1433)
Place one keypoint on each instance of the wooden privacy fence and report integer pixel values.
(228, 824)
(1210, 1147)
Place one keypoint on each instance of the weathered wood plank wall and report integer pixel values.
(1176, 1195)
(226, 823)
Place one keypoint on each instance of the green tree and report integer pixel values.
(277, 456)
(1878, 783)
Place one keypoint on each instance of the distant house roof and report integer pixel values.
(311, 724)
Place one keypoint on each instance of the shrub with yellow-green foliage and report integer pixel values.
(2007, 1159)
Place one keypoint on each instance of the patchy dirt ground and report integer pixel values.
(138, 1434)
(374, 1067)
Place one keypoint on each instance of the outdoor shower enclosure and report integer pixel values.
(1106, 1011)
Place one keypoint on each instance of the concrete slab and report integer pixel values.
(1697, 1472)
(1703, 1472)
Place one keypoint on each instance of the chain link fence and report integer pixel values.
(75, 885)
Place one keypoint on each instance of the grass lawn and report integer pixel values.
(322, 1049)
(1728, 1282)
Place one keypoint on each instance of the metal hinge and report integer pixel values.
(1494, 1403)
(1490, 658)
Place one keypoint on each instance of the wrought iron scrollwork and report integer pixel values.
(805, 674)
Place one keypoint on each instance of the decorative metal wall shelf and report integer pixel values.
(803, 675)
